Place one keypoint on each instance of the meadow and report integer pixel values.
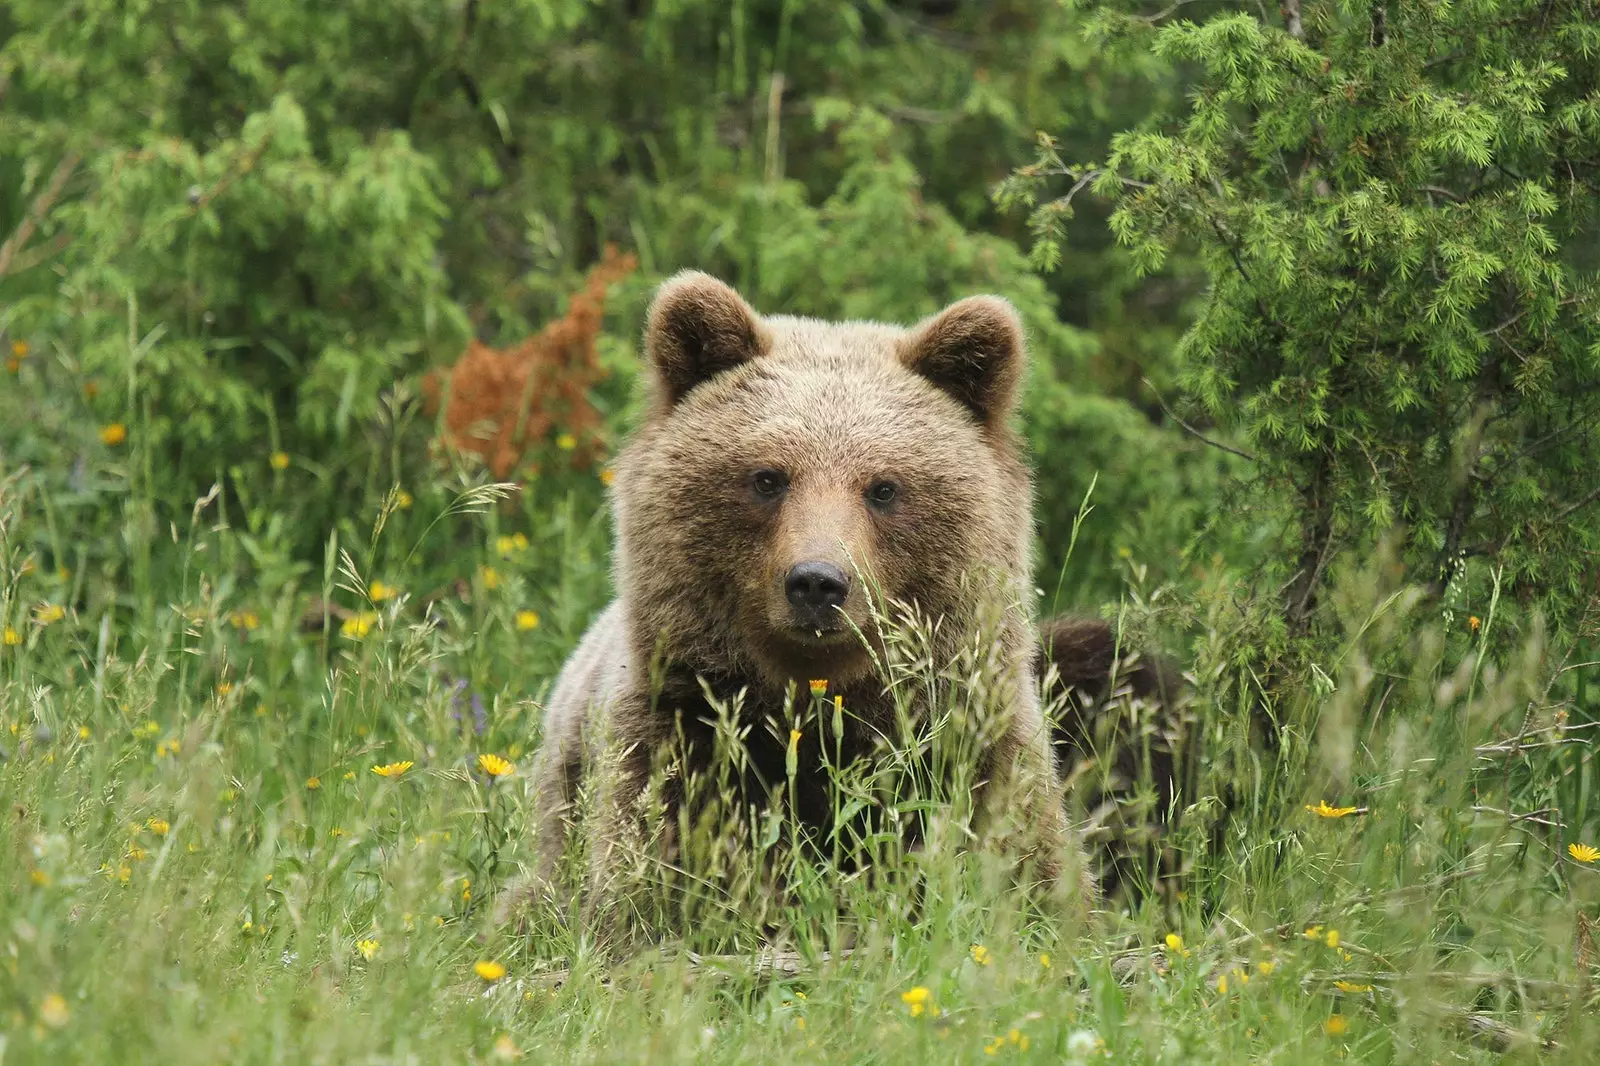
(243, 831)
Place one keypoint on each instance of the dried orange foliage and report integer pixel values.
(500, 403)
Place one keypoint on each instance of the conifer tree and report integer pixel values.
(1395, 205)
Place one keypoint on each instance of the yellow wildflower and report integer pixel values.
(394, 769)
(508, 545)
(917, 1000)
(495, 766)
(980, 954)
(505, 1049)
(1265, 967)
(1336, 1025)
(377, 592)
(566, 442)
(1583, 852)
(12, 637)
(489, 971)
(359, 625)
(1474, 623)
(1174, 942)
(313, 783)
(1333, 938)
(527, 620)
(247, 620)
(46, 613)
(278, 460)
(336, 832)
(39, 877)
(159, 826)
(19, 349)
(113, 434)
(225, 688)
(1222, 985)
(819, 688)
(84, 732)
(607, 476)
(1323, 810)
(14, 365)
(168, 747)
(1044, 960)
(1351, 986)
(491, 578)
(53, 1011)
(367, 948)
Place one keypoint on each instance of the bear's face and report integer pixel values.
(793, 472)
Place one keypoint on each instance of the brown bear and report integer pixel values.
(794, 483)
(1120, 722)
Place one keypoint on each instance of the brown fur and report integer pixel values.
(1120, 725)
(701, 558)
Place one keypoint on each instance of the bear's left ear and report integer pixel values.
(697, 328)
(973, 350)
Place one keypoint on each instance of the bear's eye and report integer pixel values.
(769, 484)
(882, 493)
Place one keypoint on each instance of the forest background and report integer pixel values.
(1315, 408)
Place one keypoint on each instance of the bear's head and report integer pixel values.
(792, 472)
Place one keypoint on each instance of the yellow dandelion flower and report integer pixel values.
(607, 476)
(159, 826)
(1265, 967)
(566, 442)
(53, 1011)
(1333, 938)
(489, 971)
(113, 434)
(917, 999)
(367, 948)
(12, 637)
(1351, 986)
(48, 613)
(1323, 810)
(1336, 1025)
(527, 620)
(278, 460)
(313, 783)
(819, 688)
(394, 769)
(359, 625)
(980, 954)
(490, 577)
(19, 349)
(1583, 852)
(495, 766)
(1044, 960)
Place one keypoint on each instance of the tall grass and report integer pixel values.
(203, 865)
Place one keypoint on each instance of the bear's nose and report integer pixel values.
(815, 587)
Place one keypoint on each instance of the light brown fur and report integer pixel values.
(701, 556)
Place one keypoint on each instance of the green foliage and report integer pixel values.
(1395, 209)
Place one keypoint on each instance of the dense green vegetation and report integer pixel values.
(1315, 408)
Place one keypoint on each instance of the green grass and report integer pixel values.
(202, 866)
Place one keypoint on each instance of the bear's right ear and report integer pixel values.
(698, 327)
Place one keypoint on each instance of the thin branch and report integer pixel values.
(41, 207)
(1291, 19)
(1195, 432)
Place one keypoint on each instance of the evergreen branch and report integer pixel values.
(1195, 432)
(41, 206)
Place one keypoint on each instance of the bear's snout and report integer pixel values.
(816, 590)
